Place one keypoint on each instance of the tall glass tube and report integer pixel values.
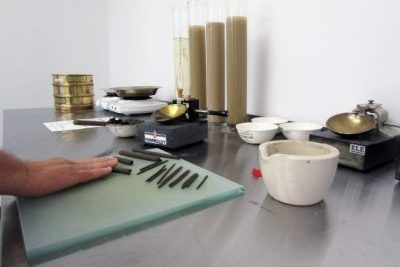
(215, 57)
(181, 49)
(197, 49)
(236, 60)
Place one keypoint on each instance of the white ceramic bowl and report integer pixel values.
(273, 120)
(298, 172)
(299, 130)
(256, 132)
(123, 130)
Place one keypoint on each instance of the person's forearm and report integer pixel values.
(12, 170)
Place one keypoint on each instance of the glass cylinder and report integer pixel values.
(215, 57)
(197, 51)
(181, 49)
(236, 60)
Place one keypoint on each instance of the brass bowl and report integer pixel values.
(169, 113)
(173, 110)
(350, 123)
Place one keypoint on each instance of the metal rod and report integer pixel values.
(89, 122)
(124, 160)
(122, 170)
(138, 155)
(151, 166)
(202, 182)
(391, 124)
(155, 175)
(158, 154)
(172, 175)
(165, 174)
(189, 181)
(180, 178)
(222, 113)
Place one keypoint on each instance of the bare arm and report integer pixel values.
(36, 178)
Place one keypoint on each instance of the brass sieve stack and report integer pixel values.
(73, 92)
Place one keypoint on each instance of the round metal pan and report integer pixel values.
(135, 91)
(110, 92)
(350, 123)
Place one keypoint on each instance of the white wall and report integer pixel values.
(38, 38)
(141, 49)
(308, 59)
(325, 56)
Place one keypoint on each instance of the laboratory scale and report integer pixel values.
(131, 100)
(367, 150)
(177, 125)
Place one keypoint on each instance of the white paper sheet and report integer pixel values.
(59, 126)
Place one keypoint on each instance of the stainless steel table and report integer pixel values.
(358, 223)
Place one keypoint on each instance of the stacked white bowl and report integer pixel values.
(299, 130)
(263, 129)
(256, 132)
(260, 129)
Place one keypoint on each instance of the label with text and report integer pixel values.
(357, 149)
(155, 138)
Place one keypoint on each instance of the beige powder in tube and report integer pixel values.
(215, 62)
(236, 47)
(197, 59)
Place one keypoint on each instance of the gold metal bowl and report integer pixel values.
(350, 123)
(169, 113)
(173, 110)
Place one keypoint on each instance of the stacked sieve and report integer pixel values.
(73, 92)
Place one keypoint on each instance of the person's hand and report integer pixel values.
(44, 177)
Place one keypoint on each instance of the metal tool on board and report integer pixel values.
(360, 137)
(124, 160)
(123, 170)
(139, 156)
(179, 179)
(158, 154)
(151, 166)
(156, 174)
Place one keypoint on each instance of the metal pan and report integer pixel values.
(135, 91)
(350, 123)
(110, 92)
(174, 112)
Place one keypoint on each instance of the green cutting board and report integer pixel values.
(79, 217)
